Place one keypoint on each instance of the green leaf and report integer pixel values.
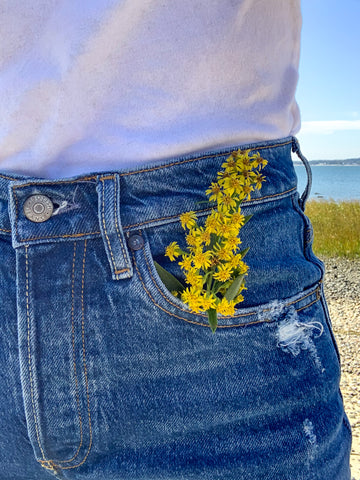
(247, 218)
(244, 252)
(212, 317)
(213, 240)
(232, 291)
(170, 282)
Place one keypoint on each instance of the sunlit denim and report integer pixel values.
(105, 375)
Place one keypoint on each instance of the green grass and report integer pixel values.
(336, 227)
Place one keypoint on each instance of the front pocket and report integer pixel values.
(160, 296)
(52, 340)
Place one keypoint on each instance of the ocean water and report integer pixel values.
(331, 182)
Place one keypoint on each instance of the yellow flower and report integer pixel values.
(235, 261)
(186, 263)
(230, 163)
(193, 237)
(172, 251)
(259, 180)
(214, 192)
(242, 267)
(246, 193)
(211, 223)
(209, 272)
(232, 242)
(243, 161)
(223, 252)
(208, 301)
(194, 278)
(202, 259)
(258, 161)
(223, 272)
(226, 203)
(226, 229)
(239, 298)
(192, 297)
(188, 219)
(232, 185)
(225, 307)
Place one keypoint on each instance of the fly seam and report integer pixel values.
(106, 234)
(84, 357)
(51, 462)
(29, 353)
(118, 229)
(74, 357)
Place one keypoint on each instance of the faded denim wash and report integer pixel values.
(105, 375)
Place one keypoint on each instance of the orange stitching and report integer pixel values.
(79, 180)
(207, 325)
(4, 230)
(202, 158)
(51, 462)
(124, 252)
(109, 177)
(84, 359)
(133, 225)
(29, 350)
(70, 235)
(7, 178)
(106, 234)
(103, 222)
(205, 210)
(308, 305)
(16, 215)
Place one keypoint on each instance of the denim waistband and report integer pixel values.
(110, 203)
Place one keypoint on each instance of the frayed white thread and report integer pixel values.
(272, 312)
(309, 431)
(61, 207)
(294, 336)
(66, 206)
(308, 428)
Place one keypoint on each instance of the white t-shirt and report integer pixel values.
(104, 85)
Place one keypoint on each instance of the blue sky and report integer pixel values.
(329, 85)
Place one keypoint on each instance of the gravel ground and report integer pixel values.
(342, 290)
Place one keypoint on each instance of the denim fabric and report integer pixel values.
(106, 375)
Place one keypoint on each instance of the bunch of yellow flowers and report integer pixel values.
(213, 262)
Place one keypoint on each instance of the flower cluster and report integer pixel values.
(213, 262)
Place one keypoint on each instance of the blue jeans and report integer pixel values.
(106, 375)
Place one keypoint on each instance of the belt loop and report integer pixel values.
(306, 193)
(108, 188)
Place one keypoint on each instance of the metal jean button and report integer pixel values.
(38, 208)
(135, 242)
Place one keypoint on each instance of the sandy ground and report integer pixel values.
(342, 289)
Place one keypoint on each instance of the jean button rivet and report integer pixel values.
(136, 242)
(38, 208)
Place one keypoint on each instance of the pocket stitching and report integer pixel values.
(155, 283)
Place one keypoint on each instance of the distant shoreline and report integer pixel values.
(316, 163)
